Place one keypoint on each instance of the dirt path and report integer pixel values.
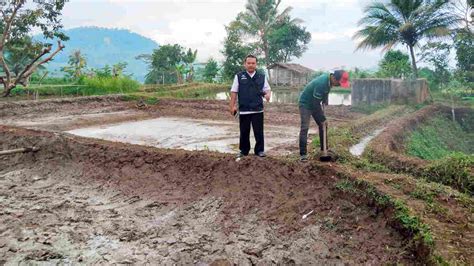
(85, 201)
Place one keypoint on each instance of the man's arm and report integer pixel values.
(233, 96)
(267, 90)
(233, 105)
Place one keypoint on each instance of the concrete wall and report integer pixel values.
(378, 91)
(284, 77)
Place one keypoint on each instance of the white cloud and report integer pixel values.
(325, 36)
(205, 35)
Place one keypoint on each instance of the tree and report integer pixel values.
(437, 55)
(169, 64)
(211, 70)
(19, 18)
(404, 22)
(262, 30)
(287, 40)
(463, 11)
(394, 64)
(163, 64)
(77, 63)
(261, 18)
(187, 61)
(19, 54)
(235, 49)
(464, 44)
(118, 69)
(105, 72)
(358, 73)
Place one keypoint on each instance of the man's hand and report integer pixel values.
(233, 110)
(267, 95)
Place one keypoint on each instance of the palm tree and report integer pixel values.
(77, 62)
(260, 17)
(404, 22)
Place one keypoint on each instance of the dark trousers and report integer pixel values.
(256, 120)
(319, 118)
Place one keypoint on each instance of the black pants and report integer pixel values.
(256, 120)
(318, 116)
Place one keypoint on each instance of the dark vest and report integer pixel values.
(250, 91)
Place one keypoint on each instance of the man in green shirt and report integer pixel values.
(314, 95)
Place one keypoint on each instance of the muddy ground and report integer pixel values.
(87, 201)
(281, 120)
(82, 200)
(66, 114)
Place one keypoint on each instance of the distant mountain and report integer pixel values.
(103, 46)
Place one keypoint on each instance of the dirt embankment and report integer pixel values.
(87, 201)
(388, 147)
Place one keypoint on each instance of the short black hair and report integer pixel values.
(250, 56)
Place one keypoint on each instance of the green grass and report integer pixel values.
(109, 85)
(439, 137)
(85, 87)
(366, 165)
(369, 109)
(455, 170)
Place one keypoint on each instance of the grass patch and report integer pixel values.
(412, 223)
(108, 85)
(84, 87)
(423, 194)
(438, 137)
(366, 165)
(455, 170)
(369, 109)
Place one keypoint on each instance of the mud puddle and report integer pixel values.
(187, 134)
(359, 148)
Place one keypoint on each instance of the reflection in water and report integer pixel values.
(290, 96)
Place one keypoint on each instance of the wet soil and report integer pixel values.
(87, 201)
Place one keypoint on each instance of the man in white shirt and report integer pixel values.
(250, 87)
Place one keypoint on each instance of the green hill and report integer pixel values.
(103, 46)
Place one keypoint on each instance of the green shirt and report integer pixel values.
(317, 89)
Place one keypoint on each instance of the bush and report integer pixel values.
(459, 89)
(455, 170)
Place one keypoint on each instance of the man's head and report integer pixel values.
(250, 63)
(340, 78)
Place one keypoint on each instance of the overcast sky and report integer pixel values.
(199, 24)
